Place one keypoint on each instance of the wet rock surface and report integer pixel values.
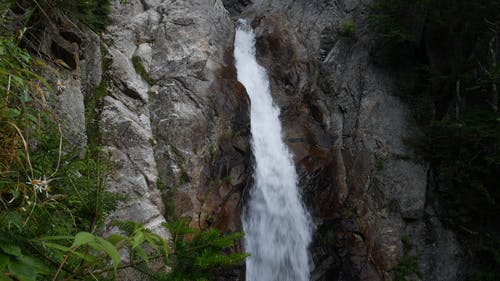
(363, 184)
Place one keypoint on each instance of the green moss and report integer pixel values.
(92, 103)
(141, 70)
(348, 29)
(409, 265)
(226, 179)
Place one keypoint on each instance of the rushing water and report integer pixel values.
(276, 224)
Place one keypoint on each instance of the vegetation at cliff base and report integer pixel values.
(54, 200)
(448, 53)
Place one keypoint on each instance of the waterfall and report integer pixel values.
(276, 224)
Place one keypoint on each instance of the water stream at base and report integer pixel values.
(277, 226)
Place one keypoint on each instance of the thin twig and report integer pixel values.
(63, 262)
(93, 276)
(132, 264)
(45, 257)
(97, 197)
(8, 91)
(42, 10)
(25, 143)
(31, 212)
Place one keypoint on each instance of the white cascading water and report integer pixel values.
(276, 224)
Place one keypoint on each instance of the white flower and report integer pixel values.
(40, 185)
(60, 87)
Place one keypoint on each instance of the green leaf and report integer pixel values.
(25, 97)
(110, 250)
(165, 247)
(43, 81)
(15, 193)
(116, 238)
(58, 237)
(36, 264)
(18, 80)
(12, 250)
(12, 218)
(32, 118)
(56, 246)
(4, 261)
(62, 248)
(4, 278)
(152, 240)
(142, 254)
(83, 238)
(138, 239)
(22, 271)
(24, 56)
(11, 113)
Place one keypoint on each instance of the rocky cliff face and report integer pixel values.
(366, 188)
(175, 119)
(176, 123)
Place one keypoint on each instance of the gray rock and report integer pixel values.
(71, 86)
(144, 52)
(69, 106)
(195, 137)
(125, 121)
(174, 132)
(91, 65)
(440, 255)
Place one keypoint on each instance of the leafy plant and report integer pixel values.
(16, 264)
(389, 18)
(94, 13)
(195, 254)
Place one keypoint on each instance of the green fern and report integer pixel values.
(197, 253)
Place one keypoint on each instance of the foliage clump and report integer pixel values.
(447, 54)
(141, 70)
